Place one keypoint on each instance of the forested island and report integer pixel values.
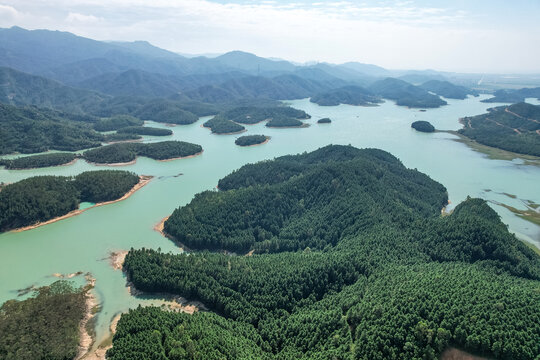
(32, 130)
(44, 326)
(38, 161)
(324, 121)
(351, 260)
(127, 152)
(222, 126)
(447, 89)
(351, 95)
(228, 122)
(42, 198)
(250, 140)
(405, 94)
(513, 128)
(423, 126)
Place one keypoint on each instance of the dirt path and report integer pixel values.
(144, 179)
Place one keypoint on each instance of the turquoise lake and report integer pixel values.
(84, 242)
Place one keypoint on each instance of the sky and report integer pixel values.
(481, 36)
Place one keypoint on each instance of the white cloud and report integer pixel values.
(76, 18)
(8, 13)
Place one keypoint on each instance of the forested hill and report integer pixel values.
(513, 128)
(352, 95)
(405, 94)
(447, 89)
(513, 96)
(30, 130)
(352, 261)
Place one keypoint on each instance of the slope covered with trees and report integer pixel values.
(145, 130)
(126, 152)
(352, 95)
(42, 198)
(44, 326)
(447, 89)
(32, 130)
(350, 259)
(405, 94)
(513, 96)
(514, 128)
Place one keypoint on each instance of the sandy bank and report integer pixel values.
(159, 227)
(114, 164)
(144, 179)
(116, 259)
(85, 338)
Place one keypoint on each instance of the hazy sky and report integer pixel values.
(457, 35)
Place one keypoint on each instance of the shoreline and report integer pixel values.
(229, 133)
(113, 164)
(86, 339)
(159, 227)
(144, 179)
(183, 157)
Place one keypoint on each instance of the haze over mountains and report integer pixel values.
(68, 72)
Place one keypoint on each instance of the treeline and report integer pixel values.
(43, 198)
(126, 152)
(352, 261)
(513, 128)
(249, 140)
(38, 161)
(44, 326)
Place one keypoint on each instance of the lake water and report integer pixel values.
(84, 242)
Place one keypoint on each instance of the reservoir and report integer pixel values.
(84, 242)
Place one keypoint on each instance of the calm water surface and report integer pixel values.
(84, 242)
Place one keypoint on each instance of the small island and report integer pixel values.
(39, 161)
(253, 115)
(324, 121)
(125, 153)
(285, 122)
(251, 140)
(221, 126)
(45, 199)
(145, 130)
(423, 126)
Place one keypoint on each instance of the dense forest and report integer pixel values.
(352, 260)
(352, 95)
(423, 126)
(126, 152)
(254, 114)
(514, 128)
(117, 122)
(405, 94)
(249, 140)
(513, 96)
(31, 130)
(38, 161)
(145, 130)
(220, 125)
(42, 198)
(44, 326)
